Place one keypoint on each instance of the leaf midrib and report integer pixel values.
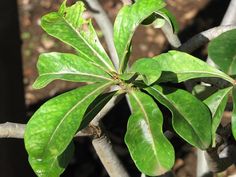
(77, 73)
(178, 112)
(87, 43)
(149, 128)
(68, 113)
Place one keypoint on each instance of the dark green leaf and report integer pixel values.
(126, 23)
(95, 107)
(52, 66)
(52, 127)
(69, 26)
(222, 50)
(150, 149)
(52, 166)
(216, 103)
(233, 122)
(149, 70)
(179, 66)
(191, 118)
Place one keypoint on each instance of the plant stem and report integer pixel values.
(171, 37)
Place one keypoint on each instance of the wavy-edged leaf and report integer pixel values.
(69, 67)
(179, 66)
(52, 127)
(52, 166)
(216, 103)
(127, 21)
(191, 118)
(149, 70)
(151, 151)
(69, 26)
(233, 122)
(222, 51)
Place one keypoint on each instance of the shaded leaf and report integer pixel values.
(64, 66)
(149, 148)
(127, 21)
(191, 118)
(233, 122)
(216, 103)
(69, 26)
(53, 125)
(95, 107)
(149, 70)
(52, 166)
(179, 66)
(222, 50)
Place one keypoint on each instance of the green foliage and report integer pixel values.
(150, 149)
(216, 103)
(222, 51)
(50, 131)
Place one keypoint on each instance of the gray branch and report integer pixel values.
(108, 157)
(204, 37)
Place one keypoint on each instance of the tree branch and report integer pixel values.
(204, 37)
(108, 157)
(172, 38)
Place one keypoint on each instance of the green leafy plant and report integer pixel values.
(49, 133)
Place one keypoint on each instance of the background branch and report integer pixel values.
(204, 37)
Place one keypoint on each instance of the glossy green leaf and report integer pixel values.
(179, 66)
(191, 118)
(151, 151)
(216, 103)
(149, 70)
(52, 166)
(127, 21)
(52, 66)
(222, 50)
(233, 122)
(69, 26)
(52, 127)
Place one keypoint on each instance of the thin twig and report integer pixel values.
(106, 27)
(204, 37)
(172, 38)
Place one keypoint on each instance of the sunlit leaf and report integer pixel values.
(53, 125)
(149, 70)
(149, 148)
(127, 21)
(64, 66)
(191, 118)
(69, 26)
(179, 66)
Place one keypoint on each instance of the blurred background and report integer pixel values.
(21, 42)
